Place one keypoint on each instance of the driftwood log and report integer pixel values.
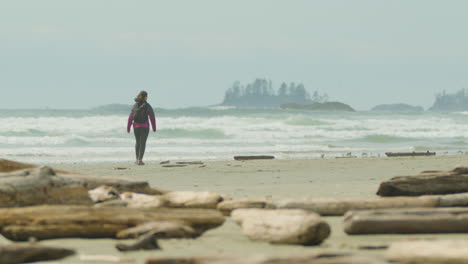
(253, 157)
(282, 226)
(339, 206)
(12, 171)
(23, 253)
(47, 222)
(320, 258)
(426, 183)
(407, 221)
(427, 251)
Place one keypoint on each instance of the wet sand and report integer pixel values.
(349, 177)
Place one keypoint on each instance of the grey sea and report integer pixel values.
(218, 133)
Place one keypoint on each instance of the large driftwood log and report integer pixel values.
(407, 221)
(428, 252)
(336, 206)
(339, 206)
(39, 186)
(23, 253)
(282, 226)
(9, 169)
(429, 182)
(320, 258)
(46, 222)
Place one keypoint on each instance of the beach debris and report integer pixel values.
(145, 242)
(165, 162)
(428, 251)
(161, 230)
(339, 206)
(103, 193)
(282, 226)
(48, 222)
(425, 183)
(11, 169)
(409, 154)
(377, 247)
(297, 258)
(139, 200)
(39, 185)
(105, 258)
(407, 221)
(121, 168)
(189, 163)
(227, 206)
(261, 157)
(22, 253)
(174, 166)
(208, 200)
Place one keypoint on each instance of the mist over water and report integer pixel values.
(54, 136)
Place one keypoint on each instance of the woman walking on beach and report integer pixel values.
(139, 118)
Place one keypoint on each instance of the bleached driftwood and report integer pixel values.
(282, 226)
(46, 222)
(407, 221)
(22, 253)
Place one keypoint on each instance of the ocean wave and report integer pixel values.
(210, 133)
(381, 139)
(305, 121)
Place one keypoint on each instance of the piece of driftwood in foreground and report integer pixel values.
(282, 226)
(407, 221)
(47, 222)
(339, 206)
(253, 157)
(37, 186)
(409, 154)
(426, 183)
(10, 169)
(428, 251)
(23, 253)
(309, 258)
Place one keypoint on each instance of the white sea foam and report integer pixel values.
(221, 133)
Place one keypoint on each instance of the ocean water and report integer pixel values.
(219, 133)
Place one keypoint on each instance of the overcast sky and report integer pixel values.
(77, 54)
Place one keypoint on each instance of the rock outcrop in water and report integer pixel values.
(405, 108)
(328, 106)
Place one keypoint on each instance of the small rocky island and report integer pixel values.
(260, 93)
(446, 102)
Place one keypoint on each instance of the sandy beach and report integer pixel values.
(349, 177)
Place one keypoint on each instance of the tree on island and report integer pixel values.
(451, 102)
(260, 93)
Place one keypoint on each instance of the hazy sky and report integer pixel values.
(75, 54)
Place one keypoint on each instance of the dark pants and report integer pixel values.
(141, 135)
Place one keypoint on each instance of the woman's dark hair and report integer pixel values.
(141, 96)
